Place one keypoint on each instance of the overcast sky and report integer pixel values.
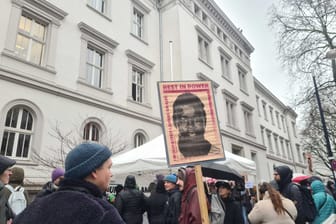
(251, 16)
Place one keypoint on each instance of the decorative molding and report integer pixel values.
(142, 6)
(201, 76)
(88, 30)
(43, 5)
(138, 58)
(247, 106)
(230, 95)
(203, 33)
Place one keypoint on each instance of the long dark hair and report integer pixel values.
(275, 197)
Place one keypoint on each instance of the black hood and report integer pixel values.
(286, 175)
(130, 182)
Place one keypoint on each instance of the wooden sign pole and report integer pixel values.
(201, 195)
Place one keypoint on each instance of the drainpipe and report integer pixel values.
(158, 6)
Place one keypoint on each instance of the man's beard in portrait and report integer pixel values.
(193, 145)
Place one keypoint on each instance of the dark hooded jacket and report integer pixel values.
(290, 190)
(76, 202)
(173, 208)
(131, 202)
(190, 209)
(156, 204)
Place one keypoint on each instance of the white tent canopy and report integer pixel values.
(151, 156)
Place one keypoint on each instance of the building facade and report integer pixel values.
(73, 71)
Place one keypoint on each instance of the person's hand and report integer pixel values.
(9, 221)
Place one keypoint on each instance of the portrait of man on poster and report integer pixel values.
(189, 117)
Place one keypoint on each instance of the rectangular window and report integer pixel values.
(262, 132)
(248, 121)
(288, 150)
(264, 110)
(197, 11)
(230, 113)
(277, 119)
(271, 114)
(225, 66)
(276, 143)
(283, 123)
(242, 80)
(282, 147)
(31, 39)
(94, 67)
(258, 106)
(98, 5)
(269, 139)
(138, 23)
(138, 85)
(294, 129)
(203, 50)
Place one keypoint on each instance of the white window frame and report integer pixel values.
(230, 109)
(294, 128)
(282, 147)
(225, 63)
(299, 154)
(138, 62)
(277, 119)
(102, 7)
(204, 46)
(276, 143)
(99, 125)
(92, 38)
(258, 105)
(95, 66)
(283, 123)
(242, 75)
(271, 114)
(139, 10)
(42, 11)
(37, 128)
(248, 118)
(262, 133)
(264, 106)
(288, 149)
(269, 140)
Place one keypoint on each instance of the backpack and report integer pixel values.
(17, 200)
(308, 211)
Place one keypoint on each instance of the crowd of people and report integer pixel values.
(78, 194)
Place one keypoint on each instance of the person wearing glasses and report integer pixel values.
(189, 118)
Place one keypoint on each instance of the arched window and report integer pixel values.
(18, 132)
(139, 139)
(91, 132)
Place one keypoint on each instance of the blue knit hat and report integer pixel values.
(84, 159)
(171, 178)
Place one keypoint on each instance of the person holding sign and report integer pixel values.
(189, 118)
(190, 208)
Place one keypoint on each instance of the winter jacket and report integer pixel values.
(5, 211)
(173, 208)
(290, 191)
(233, 211)
(130, 202)
(156, 204)
(75, 202)
(217, 214)
(190, 209)
(324, 203)
(263, 212)
(48, 188)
